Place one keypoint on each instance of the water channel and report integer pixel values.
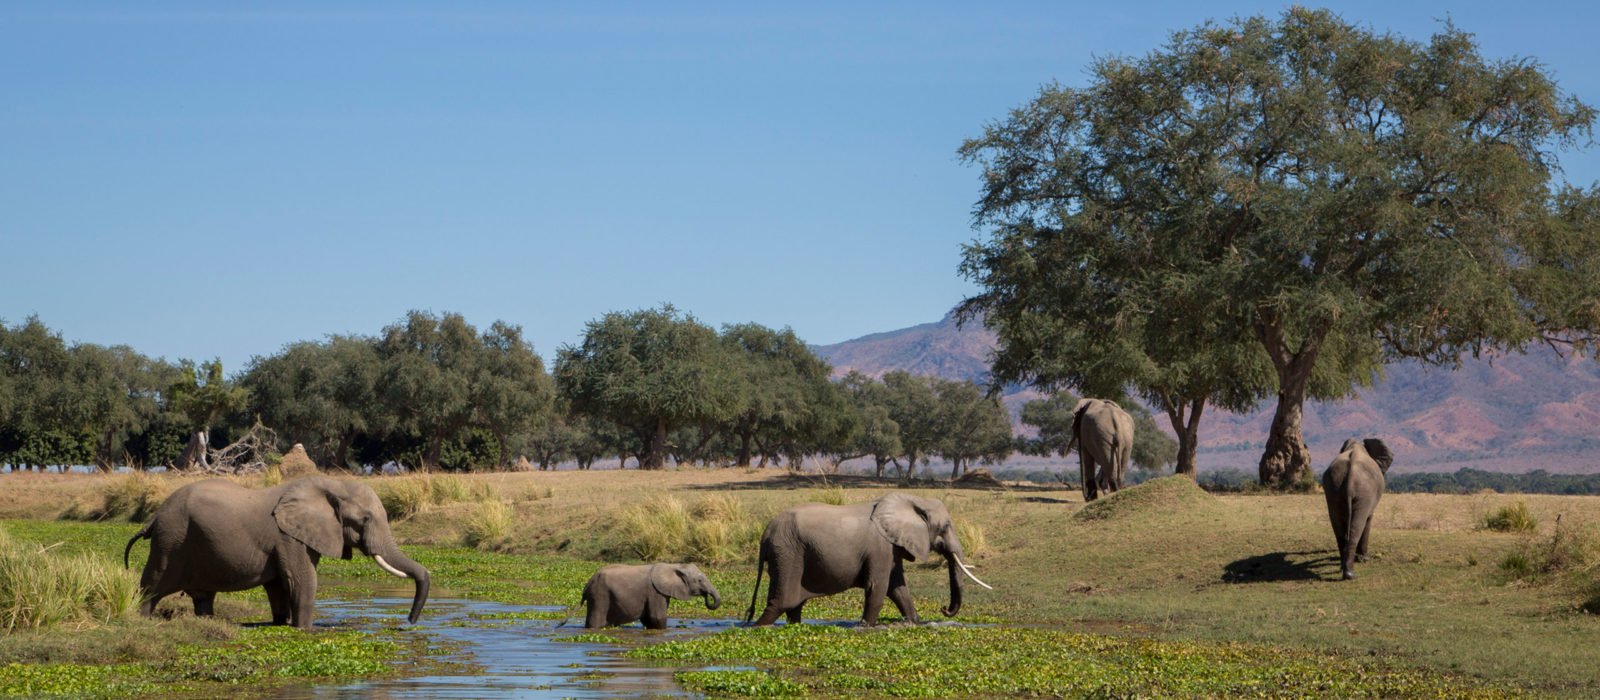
(504, 658)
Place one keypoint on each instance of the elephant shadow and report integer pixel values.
(1281, 566)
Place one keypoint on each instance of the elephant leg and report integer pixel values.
(598, 610)
(783, 594)
(204, 602)
(1090, 488)
(278, 598)
(299, 576)
(876, 590)
(1361, 548)
(900, 593)
(653, 621)
(792, 615)
(156, 584)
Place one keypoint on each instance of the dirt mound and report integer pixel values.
(980, 478)
(1164, 496)
(522, 464)
(297, 463)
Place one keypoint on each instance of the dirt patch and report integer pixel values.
(297, 463)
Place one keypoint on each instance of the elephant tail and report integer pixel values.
(582, 601)
(143, 533)
(761, 563)
(1077, 421)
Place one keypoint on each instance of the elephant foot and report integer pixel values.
(1361, 558)
(1347, 575)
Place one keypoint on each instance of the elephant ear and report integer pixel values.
(904, 522)
(305, 512)
(668, 581)
(1379, 452)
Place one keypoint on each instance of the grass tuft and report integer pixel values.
(133, 497)
(1570, 549)
(1511, 518)
(488, 527)
(407, 496)
(40, 588)
(715, 530)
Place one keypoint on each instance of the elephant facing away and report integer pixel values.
(816, 550)
(216, 536)
(1103, 433)
(619, 594)
(1353, 484)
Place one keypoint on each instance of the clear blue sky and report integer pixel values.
(218, 179)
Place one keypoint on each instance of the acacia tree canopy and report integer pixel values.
(1336, 197)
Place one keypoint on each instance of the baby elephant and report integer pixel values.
(619, 593)
(1352, 485)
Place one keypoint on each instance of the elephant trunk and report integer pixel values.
(713, 601)
(955, 588)
(392, 560)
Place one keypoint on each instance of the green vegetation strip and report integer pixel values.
(1010, 662)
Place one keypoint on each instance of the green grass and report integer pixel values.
(41, 588)
(934, 662)
(1511, 518)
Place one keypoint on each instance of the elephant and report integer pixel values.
(1103, 433)
(216, 536)
(1353, 484)
(816, 550)
(619, 594)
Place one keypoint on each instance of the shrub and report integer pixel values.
(489, 526)
(1570, 548)
(657, 529)
(134, 497)
(715, 530)
(973, 541)
(403, 498)
(39, 588)
(1511, 518)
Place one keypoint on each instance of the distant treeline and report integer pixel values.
(653, 386)
(1462, 481)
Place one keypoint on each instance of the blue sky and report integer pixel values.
(216, 180)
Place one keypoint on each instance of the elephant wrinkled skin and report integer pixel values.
(619, 594)
(1352, 485)
(816, 550)
(216, 536)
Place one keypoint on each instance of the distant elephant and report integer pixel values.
(216, 536)
(816, 550)
(619, 594)
(1353, 484)
(1103, 433)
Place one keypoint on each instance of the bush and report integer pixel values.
(39, 588)
(489, 526)
(715, 530)
(1511, 518)
(134, 497)
(1569, 549)
(657, 529)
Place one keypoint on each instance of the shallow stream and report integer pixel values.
(504, 658)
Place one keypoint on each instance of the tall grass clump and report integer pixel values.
(1571, 549)
(657, 529)
(406, 496)
(134, 497)
(973, 541)
(1511, 518)
(40, 588)
(489, 526)
(831, 495)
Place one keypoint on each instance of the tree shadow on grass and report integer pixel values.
(1280, 566)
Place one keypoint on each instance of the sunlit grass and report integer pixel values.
(44, 588)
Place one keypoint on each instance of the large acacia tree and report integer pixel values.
(649, 371)
(1336, 196)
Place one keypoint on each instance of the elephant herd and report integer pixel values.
(216, 536)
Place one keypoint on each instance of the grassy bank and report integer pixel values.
(1161, 564)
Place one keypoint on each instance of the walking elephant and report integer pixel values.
(1353, 484)
(216, 536)
(1103, 433)
(816, 550)
(619, 594)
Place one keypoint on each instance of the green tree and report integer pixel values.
(1339, 197)
(871, 431)
(649, 371)
(202, 395)
(972, 426)
(913, 405)
(321, 395)
(783, 390)
(425, 384)
(1153, 449)
(511, 393)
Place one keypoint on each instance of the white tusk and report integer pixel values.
(402, 574)
(968, 572)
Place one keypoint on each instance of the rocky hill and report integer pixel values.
(1507, 413)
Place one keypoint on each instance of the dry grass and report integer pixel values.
(1511, 518)
(40, 588)
(488, 527)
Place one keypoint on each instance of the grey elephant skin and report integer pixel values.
(621, 593)
(816, 550)
(216, 536)
(1353, 484)
(1103, 433)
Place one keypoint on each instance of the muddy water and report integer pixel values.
(506, 658)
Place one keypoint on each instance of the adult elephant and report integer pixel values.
(816, 550)
(1352, 485)
(620, 593)
(1103, 433)
(216, 536)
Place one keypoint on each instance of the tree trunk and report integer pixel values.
(1186, 423)
(1286, 461)
(744, 450)
(657, 455)
(881, 462)
(430, 454)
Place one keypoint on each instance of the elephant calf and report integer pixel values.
(619, 594)
(1353, 484)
